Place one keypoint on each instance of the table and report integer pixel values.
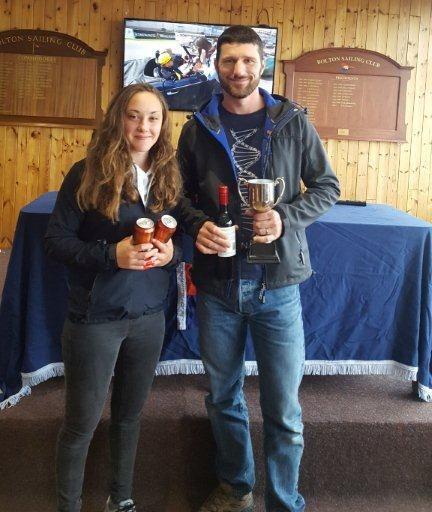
(367, 307)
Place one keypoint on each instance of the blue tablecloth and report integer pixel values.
(367, 307)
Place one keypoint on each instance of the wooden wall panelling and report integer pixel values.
(225, 11)
(81, 137)
(95, 26)
(279, 79)
(393, 161)
(172, 9)
(161, 10)
(44, 161)
(397, 174)
(329, 40)
(55, 157)
(428, 136)
(33, 137)
(285, 41)
(4, 25)
(61, 16)
(128, 8)
(27, 15)
(351, 23)
(193, 9)
(353, 146)
(308, 26)
(140, 9)
(330, 24)
(373, 147)
(342, 145)
(319, 25)
(363, 146)
(5, 11)
(264, 12)
(352, 170)
(402, 50)
(297, 35)
(115, 48)
(39, 7)
(416, 7)
(3, 197)
(341, 23)
(105, 38)
(67, 155)
(21, 172)
(383, 147)
(10, 166)
(405, 161)
(417, 121)
(72, 17)
(362, 17)
(423, 110)
(248, 9)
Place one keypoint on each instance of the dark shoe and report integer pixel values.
(224, 499)
(123, 506)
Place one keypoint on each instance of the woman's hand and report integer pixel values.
(164, 254)
(134, 257)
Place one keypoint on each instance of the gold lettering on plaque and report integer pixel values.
(349, 58)
(343, 131)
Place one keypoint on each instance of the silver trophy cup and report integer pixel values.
(261, 198)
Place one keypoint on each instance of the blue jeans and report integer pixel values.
(276, 328)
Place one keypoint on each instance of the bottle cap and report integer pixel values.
(223, 195)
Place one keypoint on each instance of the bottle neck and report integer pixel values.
(223, 198)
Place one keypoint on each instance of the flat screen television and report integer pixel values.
(178, 59)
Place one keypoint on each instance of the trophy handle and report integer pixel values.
(282, 181)
(239, 191)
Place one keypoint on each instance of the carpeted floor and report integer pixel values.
(367, 446)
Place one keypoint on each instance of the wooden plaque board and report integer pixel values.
(49, 79)
(350, 93)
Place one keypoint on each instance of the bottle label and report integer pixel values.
(230, 233)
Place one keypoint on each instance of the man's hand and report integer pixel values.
(134, 257)
(267, 226)
(211, 239)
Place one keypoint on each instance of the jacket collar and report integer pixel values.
(277, 107)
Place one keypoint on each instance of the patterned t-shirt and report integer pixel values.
(245, 134)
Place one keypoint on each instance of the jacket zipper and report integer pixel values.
(301, 255)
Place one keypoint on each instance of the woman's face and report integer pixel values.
(142, 124)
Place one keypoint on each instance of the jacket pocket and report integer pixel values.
(110, 295)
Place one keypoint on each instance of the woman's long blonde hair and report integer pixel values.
(108, 177)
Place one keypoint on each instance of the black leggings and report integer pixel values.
(92, 353)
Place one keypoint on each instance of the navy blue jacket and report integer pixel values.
(86, 243)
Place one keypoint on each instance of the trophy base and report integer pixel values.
(263, 253)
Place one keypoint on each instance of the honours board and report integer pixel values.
(350, 93)
(48, 78)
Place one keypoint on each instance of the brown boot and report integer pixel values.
(224, 499)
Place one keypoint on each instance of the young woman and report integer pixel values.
(115, 323)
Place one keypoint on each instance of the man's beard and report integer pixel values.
(239, 93)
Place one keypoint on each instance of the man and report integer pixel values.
(205, 49)
(247, 133)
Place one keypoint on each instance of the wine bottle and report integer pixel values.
(225, 223)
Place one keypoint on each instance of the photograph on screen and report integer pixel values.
(178, 59)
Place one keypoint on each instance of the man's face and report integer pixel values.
(239, 69)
